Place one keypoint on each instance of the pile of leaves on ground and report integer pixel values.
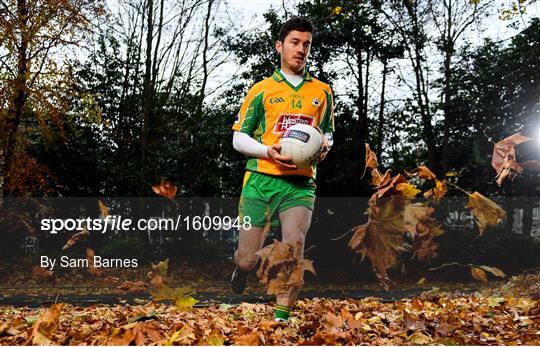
(526, 284)
(470, 320)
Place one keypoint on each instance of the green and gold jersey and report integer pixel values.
(273, 105)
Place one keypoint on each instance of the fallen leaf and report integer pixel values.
(495, 271)
(247, 340)
(185, 303)
(41, 272)
(479, 274)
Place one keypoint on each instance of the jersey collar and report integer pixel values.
(278, 77)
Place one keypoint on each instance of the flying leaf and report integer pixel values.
(485, 211)
(282, 266)
(371, 160)
(381, 240)
(103, 209)
(425, 173)
(438, 192)
(165, 188)
(76, 237)
(479, 274)
(380, 180)
(409, 191)
(504, 157)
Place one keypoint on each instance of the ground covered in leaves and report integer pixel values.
(470, 319)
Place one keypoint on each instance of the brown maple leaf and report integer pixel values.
(381, 240)
(425, 173)
(479, 274)
(282, 266)
(485, 211)
(165, 188)
(45, 326)
(504, 157)
(371, 160)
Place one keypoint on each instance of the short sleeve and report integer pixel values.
(249, 116)
(327, 121)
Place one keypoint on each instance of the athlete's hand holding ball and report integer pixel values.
(302, 145)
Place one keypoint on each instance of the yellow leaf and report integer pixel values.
(185, 303)
(485, 211)
(215, 340)
(479, 274)
(337, 10)
(421, 281)
(451, 174)
(495, 271)
(409, 191)
(173, 338)
(495, 301)
(419, 338)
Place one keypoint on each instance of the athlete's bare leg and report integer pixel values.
(249, 242)
(295, 223)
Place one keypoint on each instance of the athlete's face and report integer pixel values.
(294, 51)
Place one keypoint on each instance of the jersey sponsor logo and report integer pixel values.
(276, 100)
(296, 134)
(285, 121)
(316, 102)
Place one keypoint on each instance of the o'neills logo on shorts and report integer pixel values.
(297, 134)
(287, 120)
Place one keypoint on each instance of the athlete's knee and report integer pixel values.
(245, 260)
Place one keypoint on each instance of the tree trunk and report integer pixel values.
(205, 59)
(148, 103)
(380, 125)
(448, 53)
(421, 90)
(20, 96)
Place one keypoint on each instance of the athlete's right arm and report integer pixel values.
(247, 145)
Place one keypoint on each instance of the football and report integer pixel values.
(303, 143)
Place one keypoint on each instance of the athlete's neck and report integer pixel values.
(295, 79)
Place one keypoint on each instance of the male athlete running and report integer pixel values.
(273, 189)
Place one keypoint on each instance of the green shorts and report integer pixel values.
(264, 196)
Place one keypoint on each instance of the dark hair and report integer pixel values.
(295, 23)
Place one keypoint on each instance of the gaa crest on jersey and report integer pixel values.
(316, 102)
(287, 120)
